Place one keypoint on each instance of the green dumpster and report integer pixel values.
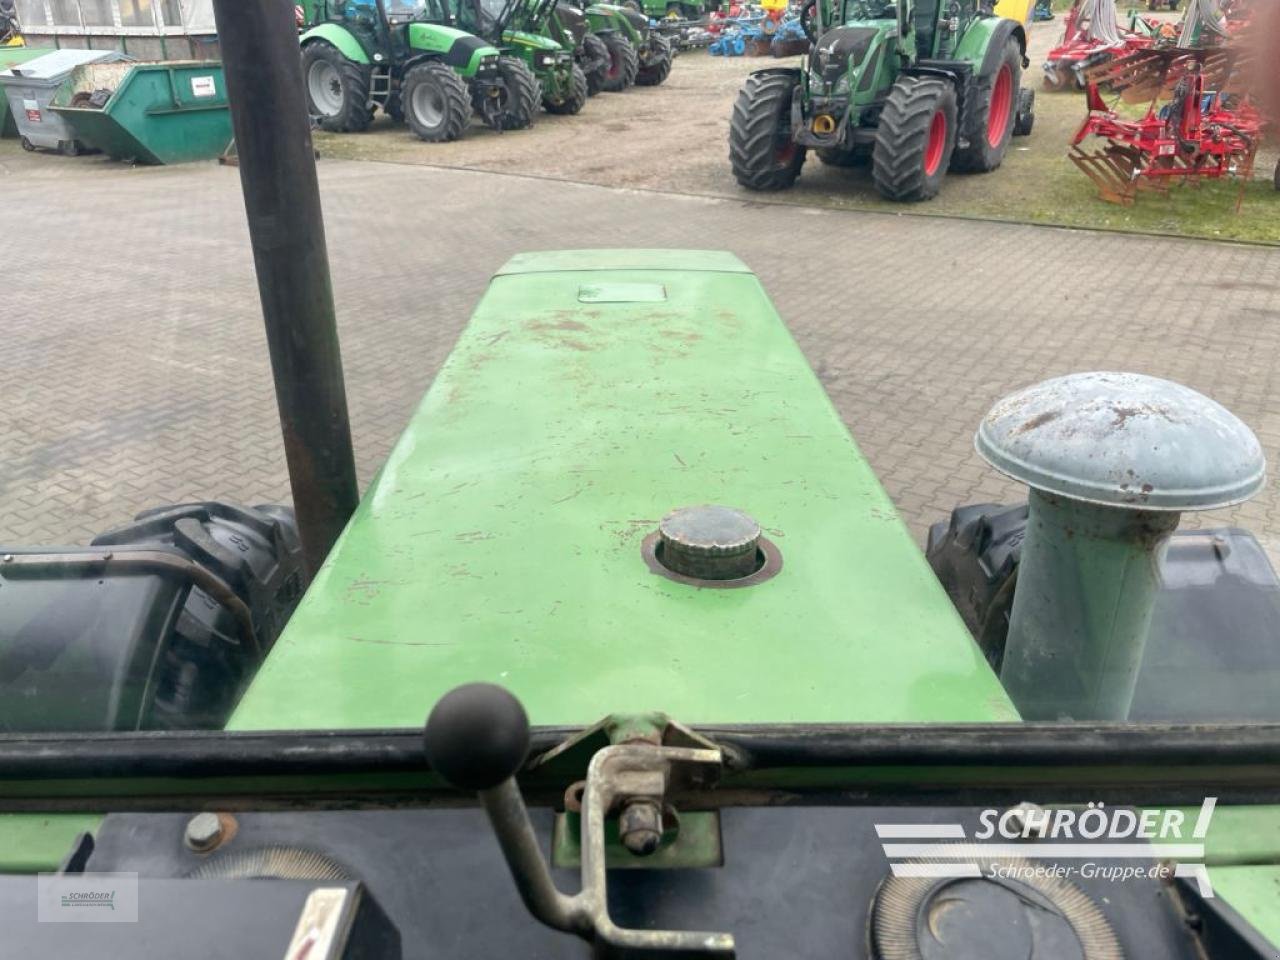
(149, 112)
(15, 57)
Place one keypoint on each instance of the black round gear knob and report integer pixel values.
(477, 736)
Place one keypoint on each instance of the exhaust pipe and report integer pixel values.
(263, 68)
(1112, 459)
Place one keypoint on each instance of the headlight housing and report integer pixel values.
(544, 58)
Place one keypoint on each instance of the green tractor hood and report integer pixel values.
(530, 40)
(451, 43)
(610, 388)
(854, 60)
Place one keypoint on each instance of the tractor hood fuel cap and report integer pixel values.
(710, 542)
(711, 545)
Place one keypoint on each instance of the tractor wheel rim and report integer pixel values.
(1001, 107)
(324, 83)
(936, 144)
(428, 105)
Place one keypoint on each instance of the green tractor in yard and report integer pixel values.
(618, 49)
(625, 51)
(568, 26)
(914, 88)
(404, 57)
(653, 52)
(513, 26)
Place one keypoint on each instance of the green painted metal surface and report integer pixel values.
(1254, 892)
(501, 540)
(1242, 835)
(339, 36)
(30, 843)
(159, 113)
(439, 39)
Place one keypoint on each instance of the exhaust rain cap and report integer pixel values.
(1124, 440)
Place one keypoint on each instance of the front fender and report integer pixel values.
(342, 38)
(984, 42)
(779, 72)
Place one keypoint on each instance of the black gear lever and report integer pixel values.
(477, 738)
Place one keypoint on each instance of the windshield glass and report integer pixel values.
(354, 361)
(478, 16)
(407, 8)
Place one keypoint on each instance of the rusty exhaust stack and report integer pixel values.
(263, 67)
(1112, 459)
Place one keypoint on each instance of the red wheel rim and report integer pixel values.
(1001, 107)
(937, 144)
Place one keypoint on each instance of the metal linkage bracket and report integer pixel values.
(616, 775)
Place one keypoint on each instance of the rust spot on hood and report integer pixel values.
(1039, 420)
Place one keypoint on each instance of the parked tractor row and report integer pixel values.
(434, 63)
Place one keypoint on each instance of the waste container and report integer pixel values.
(29, 88)
(149, 112)
(14, 57)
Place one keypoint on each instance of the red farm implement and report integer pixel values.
(1092, 37)
(1196, 135)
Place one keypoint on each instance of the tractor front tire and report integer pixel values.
(916, 138)
(623, 63)
(435, 102)
(595, 51)
(520, 100)
(521, 96)
(658, 69)
(337, 88)
(761, 149)
(998, 100)
(577, 96)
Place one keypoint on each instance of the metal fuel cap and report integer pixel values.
(709, 542)
(711, 545)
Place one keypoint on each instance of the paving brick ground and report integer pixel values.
(135, 369)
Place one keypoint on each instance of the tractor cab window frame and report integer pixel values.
(868, 10)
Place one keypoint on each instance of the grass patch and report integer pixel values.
(1039, 184)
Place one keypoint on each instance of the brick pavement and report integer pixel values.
(135, 368)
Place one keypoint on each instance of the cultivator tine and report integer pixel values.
(1112, 170)
(1138, 77)
(1146, 75)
